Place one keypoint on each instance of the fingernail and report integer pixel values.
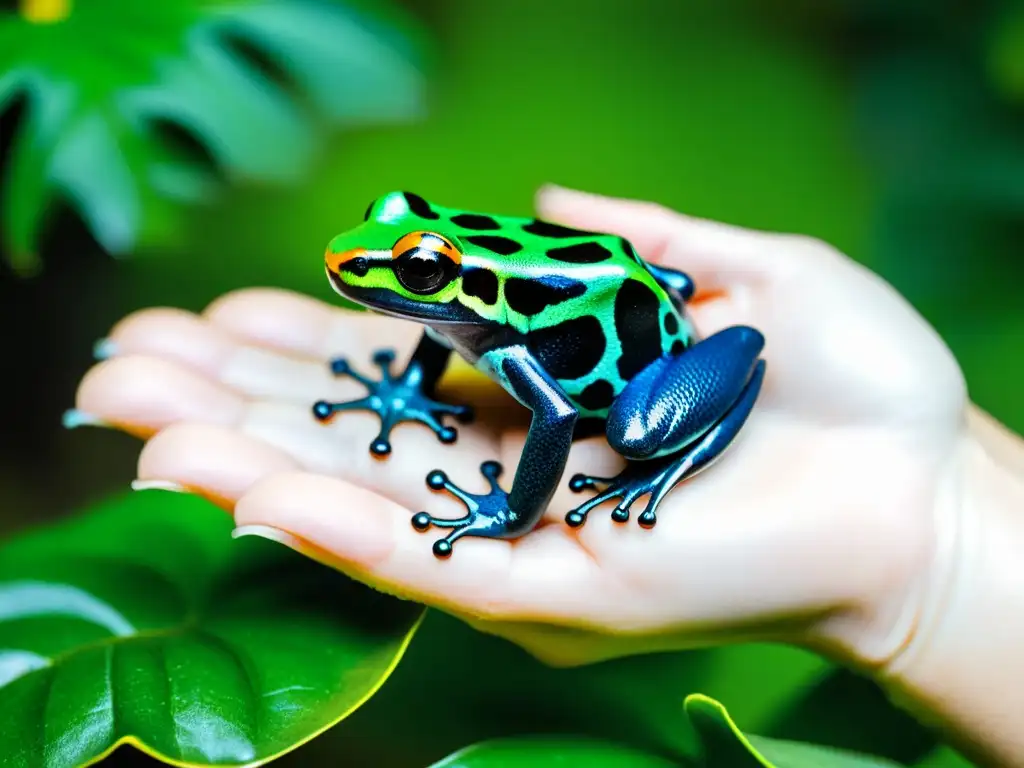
(268, 532)
(158, 485)
(73, 418)
(104, 348)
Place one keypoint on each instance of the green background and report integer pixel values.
(891, 130)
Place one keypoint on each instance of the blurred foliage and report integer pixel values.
(527, 752)
(890, 129)
(939, 100)
(722, 745)
(120, 101)
(202, 650)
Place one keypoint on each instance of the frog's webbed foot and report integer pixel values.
(487, 516)
(721, 375)
(394, 399)
(639, 478)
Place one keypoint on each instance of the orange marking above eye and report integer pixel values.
(334, 261)
(428, 241)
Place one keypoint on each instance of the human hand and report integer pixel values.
(815, 528)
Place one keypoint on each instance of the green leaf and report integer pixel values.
(544, 751)
(241, 79)
(144, 622)
(724, 744)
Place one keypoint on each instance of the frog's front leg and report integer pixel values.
(501, 515)
(675, 418)
(406, 397)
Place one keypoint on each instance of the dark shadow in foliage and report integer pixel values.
(261, 61)
(305, 587)
(184, 143)
(43, 351)
(457, 686)
(847, 711)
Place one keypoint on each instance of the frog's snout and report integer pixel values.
(336, 261)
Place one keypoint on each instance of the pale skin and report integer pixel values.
(868, 511)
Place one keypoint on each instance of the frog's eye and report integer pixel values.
(425, 262)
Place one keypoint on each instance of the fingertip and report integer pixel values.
(351, 522)
(122, 327)
(242, 300)
(172, 334)
(150, 392)
(272, 317)
(548, 192)
(217, 460)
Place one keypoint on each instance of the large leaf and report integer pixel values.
(242, 79)
(545, 751)
(145, 622)
(724, 744)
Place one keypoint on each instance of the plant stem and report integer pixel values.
(45, 11)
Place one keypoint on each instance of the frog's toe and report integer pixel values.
(384, 357)
(380, 447)
(322, 410)
(581, 482)
(487, 514)
(647, 518)
(638, 479)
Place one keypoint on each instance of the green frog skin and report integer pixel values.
(574, 325)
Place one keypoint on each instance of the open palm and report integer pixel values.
(810, 529)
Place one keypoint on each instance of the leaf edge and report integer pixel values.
(701, 700)
(137, 743)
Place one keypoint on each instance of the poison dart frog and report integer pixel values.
(573, 324)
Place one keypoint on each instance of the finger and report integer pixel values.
(144, 395)
(369, 537)
(714, 254)
(170, 333)
(250, 369)
(301, 326)
(216, 461)
(297, 324)
(371, 532)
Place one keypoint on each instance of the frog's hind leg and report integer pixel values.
(674, 419)
(405, 397)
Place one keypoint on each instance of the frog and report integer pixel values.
(579, 329)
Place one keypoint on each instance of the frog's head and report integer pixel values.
(399, 261)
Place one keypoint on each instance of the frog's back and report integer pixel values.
(583, 302)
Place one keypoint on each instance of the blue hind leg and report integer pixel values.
(675, 419)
